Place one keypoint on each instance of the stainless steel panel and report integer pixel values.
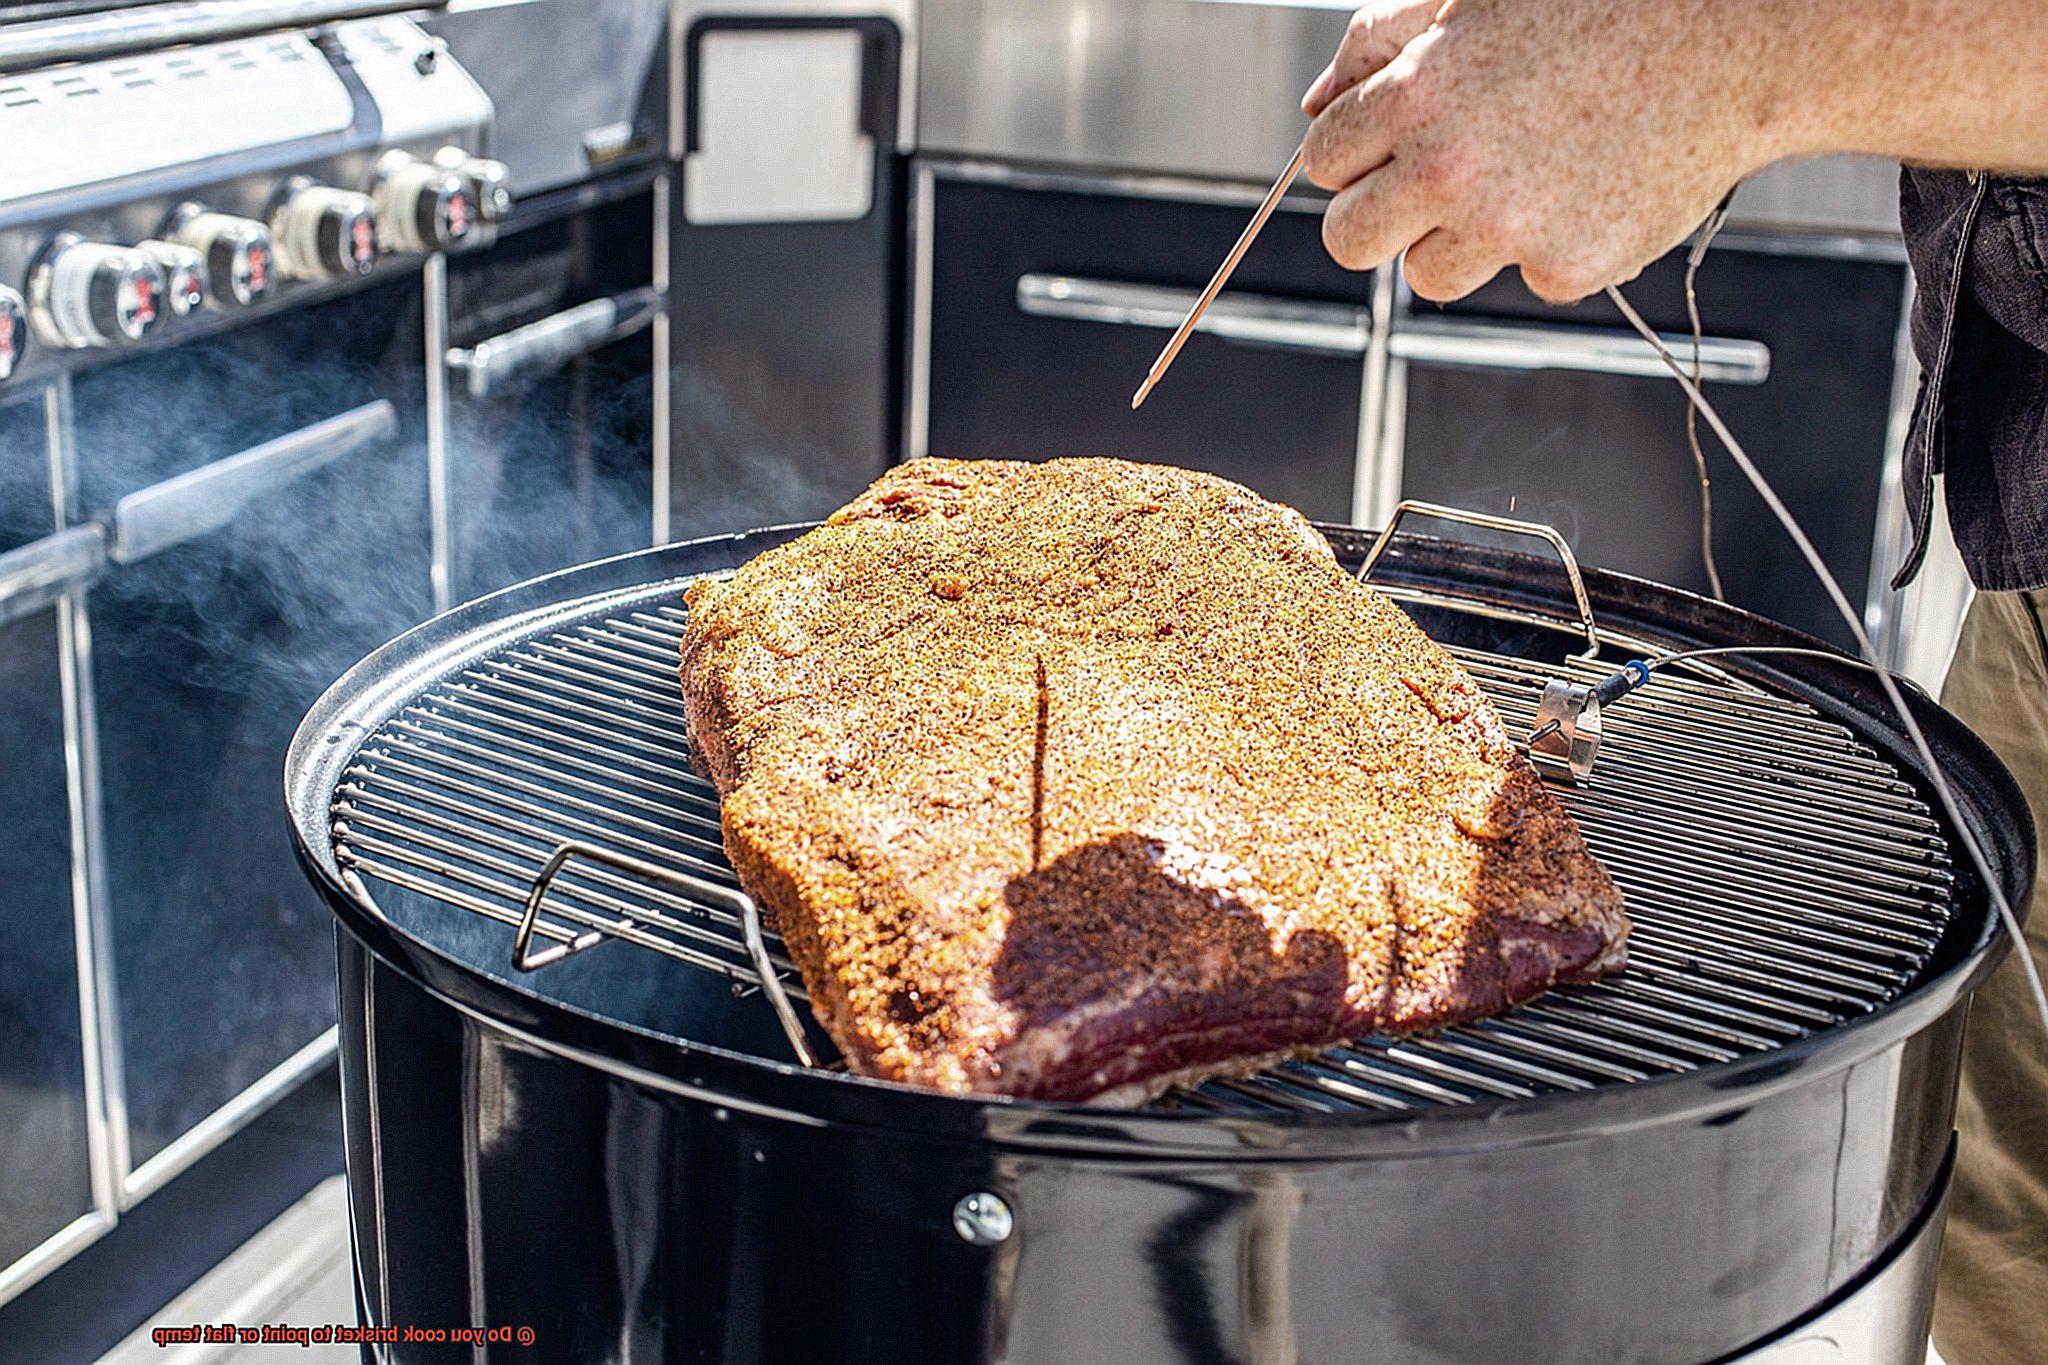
(1198, 87)
(551, 387)
(74, 37)
(1885, 1320)
(577, 85)
(1155, 85)
(540, 347)
(46, 1182)
(203, 500)
(1324, 328)
(37, 574)
(1479, 344)
(274, 523)
(64, 127)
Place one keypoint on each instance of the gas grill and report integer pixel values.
(548, 987)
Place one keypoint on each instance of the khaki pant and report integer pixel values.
(1993, 1305)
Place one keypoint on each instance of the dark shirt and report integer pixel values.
(1979, 245)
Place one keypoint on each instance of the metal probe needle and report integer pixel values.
(1223, 272)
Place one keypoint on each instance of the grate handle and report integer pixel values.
(1490, 522)
(525, 959)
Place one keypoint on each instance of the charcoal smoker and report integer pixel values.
(1738, 1148)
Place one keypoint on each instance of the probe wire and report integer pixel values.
(1935, 776)
(1692, 418)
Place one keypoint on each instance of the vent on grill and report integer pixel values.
(1782, 878)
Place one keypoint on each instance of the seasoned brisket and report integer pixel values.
(1070, 780)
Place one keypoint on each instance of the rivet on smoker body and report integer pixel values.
(983, 1219)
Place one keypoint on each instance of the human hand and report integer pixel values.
(1579, 139)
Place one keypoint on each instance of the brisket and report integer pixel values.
(1072, 780)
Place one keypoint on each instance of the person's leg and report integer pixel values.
(1992, 1308)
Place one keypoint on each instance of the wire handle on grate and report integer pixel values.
(1489, 522)
(525, 959)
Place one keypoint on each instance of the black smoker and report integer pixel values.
(1738, 1148)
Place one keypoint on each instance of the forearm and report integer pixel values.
(1580, 139)
(1940, 82)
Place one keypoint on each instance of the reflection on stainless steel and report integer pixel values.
(440, 512)
(904, 15)
(576, 86)
(660, 457)
(1882, 1321)
(193, 504)
(539, 347)
(1324, 328)
(89, 35)
(1915, 630)
(1208, 89)
(1376, 472)
(1077, 84)
(38, 573)
(1452, 340)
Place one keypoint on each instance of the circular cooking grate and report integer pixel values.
(1782, 878)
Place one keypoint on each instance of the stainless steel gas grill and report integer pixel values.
(266, 296)
(1744, 1132)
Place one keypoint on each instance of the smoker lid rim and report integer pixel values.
(383, 680)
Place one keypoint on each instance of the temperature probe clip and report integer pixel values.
(1566, 735)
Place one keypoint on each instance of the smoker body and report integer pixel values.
(610, 1153)
(628, 1213)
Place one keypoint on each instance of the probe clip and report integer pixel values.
(1566, 736)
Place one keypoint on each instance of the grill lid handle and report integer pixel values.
(204, 500)
(545, 346)
(1488, 521)
(40, 572)
(526, 960)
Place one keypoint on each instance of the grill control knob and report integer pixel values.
(92, 294)
(186, 282)
(488, 182)
(237, 252)
(13, 332)
(421, 206)
(322, 233)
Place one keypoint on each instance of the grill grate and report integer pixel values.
(1782, 878)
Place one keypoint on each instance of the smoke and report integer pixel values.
(300, 581)
(26, 512)
(266, 610)
(553, 473)
(747, 457)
